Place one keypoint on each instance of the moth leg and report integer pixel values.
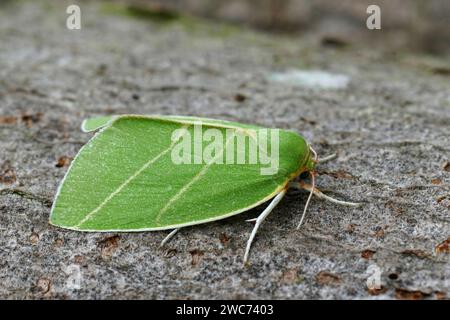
(327, 158)
(260, 219)
(168, 237)
(303, 186)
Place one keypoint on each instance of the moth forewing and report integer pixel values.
(128, 180)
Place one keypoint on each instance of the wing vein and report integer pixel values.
(126, 182)
(190, 183)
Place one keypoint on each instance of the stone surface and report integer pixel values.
(390, 127)
(421, 26)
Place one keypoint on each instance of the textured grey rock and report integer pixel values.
(390, 127)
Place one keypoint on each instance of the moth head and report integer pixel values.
(311, 161)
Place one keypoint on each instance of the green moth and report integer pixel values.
(148, 173)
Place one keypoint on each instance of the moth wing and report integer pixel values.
(95, 123)
(125, 179)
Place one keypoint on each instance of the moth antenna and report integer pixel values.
(314, 153)
(313, 182)
(327, 158)
(302, 186)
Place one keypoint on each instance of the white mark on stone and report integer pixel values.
(74, 280)
(311, 79)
